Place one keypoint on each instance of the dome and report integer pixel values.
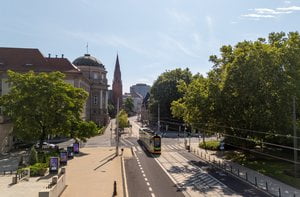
(88, 60)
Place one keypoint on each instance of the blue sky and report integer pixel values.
(150, 36)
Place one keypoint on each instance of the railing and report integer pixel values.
(246, 176)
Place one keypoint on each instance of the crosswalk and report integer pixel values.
(168, 148)
(192, 179)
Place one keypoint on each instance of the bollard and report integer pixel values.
(279, 192)
(220, 163)
(238, 172)
(230, 168)
(115, 188)
(255, 181)
(267, 186)
(246, 176)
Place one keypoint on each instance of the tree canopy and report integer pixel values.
(41, 104)
(164, 91)
(128, 105)
(250, 88)
(123, 119)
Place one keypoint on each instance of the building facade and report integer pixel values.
(140, 88)
(94, 71)
(23, 60)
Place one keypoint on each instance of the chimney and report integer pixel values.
(49, 55)
(62, 55)
(55, 56)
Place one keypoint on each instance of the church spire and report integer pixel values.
(117, 84)
(117, 72)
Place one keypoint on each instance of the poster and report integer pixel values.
(53, 164)
(76, 147)
(63, 157)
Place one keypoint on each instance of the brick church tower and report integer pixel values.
(117, 85)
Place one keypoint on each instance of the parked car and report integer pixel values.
(46, 145)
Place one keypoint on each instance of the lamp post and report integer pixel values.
(295, 138)
(117, 129)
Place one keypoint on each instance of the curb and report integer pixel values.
(124, 179)
(234, 175)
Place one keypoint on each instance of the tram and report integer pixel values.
(150, 140)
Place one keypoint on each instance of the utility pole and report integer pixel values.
(158, 118)
(117, 129)
(295, 137)
(179, 131)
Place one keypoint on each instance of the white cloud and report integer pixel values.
(291, 8)
(209, 23)
(270, 13)
(179, 17)
(287, 2)
(169, 43)
(258, 16)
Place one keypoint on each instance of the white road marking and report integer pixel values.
(146, 179)
(143, 171)
(150, 189)
(144, 175)
(148, 183)
(152, 195)
(134, 149)
(128, 141)
(139, 148)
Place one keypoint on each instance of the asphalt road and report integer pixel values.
(146, 178)
(230, 181)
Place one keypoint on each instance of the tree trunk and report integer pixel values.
(42, 138)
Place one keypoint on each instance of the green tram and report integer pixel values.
(150, 140)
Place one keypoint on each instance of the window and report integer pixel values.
(95, 100)
(95, 76)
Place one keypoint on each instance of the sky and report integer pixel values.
(150, 36)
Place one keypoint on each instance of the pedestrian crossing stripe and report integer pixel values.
(133, 148)
(139, 148)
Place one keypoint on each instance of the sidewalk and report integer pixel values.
(93, 172)
(273, 186)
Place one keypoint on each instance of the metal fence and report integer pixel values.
(254, 179)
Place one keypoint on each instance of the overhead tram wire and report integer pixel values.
(268, 143)
(266, 154)
(254, 131)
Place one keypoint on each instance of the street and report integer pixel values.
(176, 172)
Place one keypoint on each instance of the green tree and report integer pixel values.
(42, 104)
(194, 107)
(84, 129)
(123, 119)
(164, 91)
(128, 105)
(33, 157)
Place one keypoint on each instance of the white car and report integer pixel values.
(46, 145)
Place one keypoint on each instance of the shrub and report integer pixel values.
(210, 145)
(33, 157)
(38, 169)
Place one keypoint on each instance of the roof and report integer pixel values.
(25, 59)
(88, 60)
